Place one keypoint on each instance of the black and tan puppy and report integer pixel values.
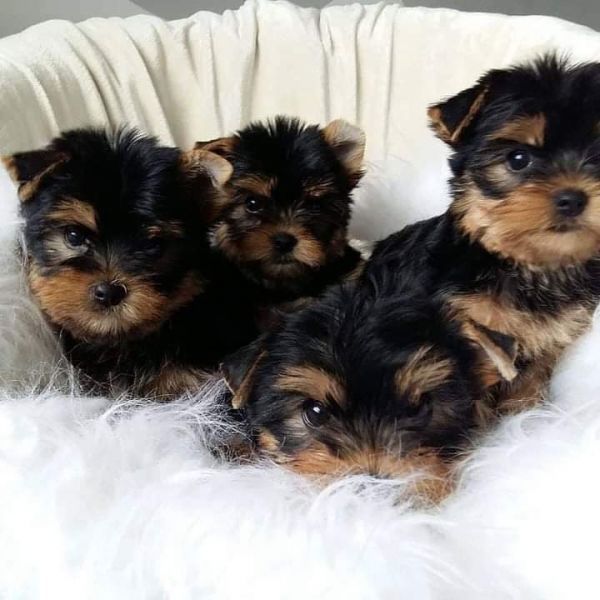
(372, 378)
(519, 249)
(283, 220)
(117, 257)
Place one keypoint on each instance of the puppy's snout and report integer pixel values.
(570, 202)
(109, 294)
(284, 242)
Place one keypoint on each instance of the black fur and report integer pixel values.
(132, 184)
(569, 99)
(295, 156)
(362, 334)
(447, 262)
(451, 259)
(566, 95)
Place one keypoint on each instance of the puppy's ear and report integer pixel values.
(222, 146)
(29, 168)
(450, 119)
(497, 353)
(348, 144)
(238, 370)
(201, 162)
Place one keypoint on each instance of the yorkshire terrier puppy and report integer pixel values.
(117, 253)
(282, 222)
(372, 378)
(518, 251)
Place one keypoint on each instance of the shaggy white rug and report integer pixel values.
(105, 501)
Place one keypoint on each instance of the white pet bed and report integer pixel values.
(99, 501)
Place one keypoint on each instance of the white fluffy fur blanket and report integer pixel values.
(124, 501)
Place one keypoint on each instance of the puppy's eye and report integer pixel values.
(75, 236)
(519, 159)
(314, 413)
(254, 204)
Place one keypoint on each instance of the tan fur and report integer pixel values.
(65, 297)
(200, 161)
(255, 184)
(502, 177)
(28, 189)
(11, 167)
(257, 245)
(57, 249)
(522, 226)
(529, 390)
(523, 393)
(240, 395)
(440, 127)
(495, 363)
(490, 374)
(318, 189)
(313, 383)
(485, 413)
(541, 339)
(74, 212)
(434, 113)
(348, 143)
(528, 130)
(423, 372)
(432, 477)
(535, 334)
(222, 146)
(437, 479)
(309, 250)
(174, 380)
(267, 442)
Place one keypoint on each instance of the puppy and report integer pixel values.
(372, 378)
(282, 222)
(518, 249)
(117, 257)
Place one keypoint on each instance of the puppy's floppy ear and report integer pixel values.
(348, 144)
(202, 162)
(496, 351)
(450, 119)
(238, 369)
(29, 168)
(222, 146)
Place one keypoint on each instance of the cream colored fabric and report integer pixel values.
(108, 503)
(377, 65)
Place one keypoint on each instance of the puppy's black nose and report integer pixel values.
(284, 242)
(570, 202)
(109, 294)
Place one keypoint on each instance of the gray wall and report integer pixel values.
(15, 15)
(173, 9)
(586, 12)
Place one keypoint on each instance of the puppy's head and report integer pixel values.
(526, 161)
(288, 202)
(385, 388)
(110, 229)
